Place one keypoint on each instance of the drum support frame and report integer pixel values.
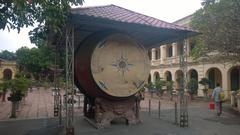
(69, 95)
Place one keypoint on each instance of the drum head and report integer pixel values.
(120, 66)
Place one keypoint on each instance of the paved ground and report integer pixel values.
(38, 104)
(202, 121)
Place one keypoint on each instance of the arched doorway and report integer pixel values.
(149, 78)
(234, 78)
(179, 77)
(7, 74)
(156, 76)
(193, 74)
(168, 76)
(215, 76)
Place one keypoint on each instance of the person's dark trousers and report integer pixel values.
(218, 105)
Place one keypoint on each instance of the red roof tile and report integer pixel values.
(116, 13)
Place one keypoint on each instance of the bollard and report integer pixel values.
(159, 108)
(175, 107)
(149, 107)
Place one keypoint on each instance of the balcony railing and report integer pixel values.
(168, 61)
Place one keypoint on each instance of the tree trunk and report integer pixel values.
(4, 96)
(191, 96)
(13, 114)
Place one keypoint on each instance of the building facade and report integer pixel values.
(7, 69)
(165, 64)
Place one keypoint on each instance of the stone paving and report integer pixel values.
(37, 104)
(36, 118)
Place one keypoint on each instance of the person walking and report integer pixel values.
(215, 96)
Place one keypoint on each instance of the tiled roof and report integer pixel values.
(119, 14)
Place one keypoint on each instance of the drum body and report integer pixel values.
(110, 65)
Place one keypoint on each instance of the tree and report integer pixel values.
(169, 85)
(18, 87)
(7, 55)
(218, 21)
(36, 60)
(192, 86)
(47, 14)
(159, 86)
(205, 82)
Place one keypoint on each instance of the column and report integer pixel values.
(163, 53)
(174, 49)
(225, 82)
(188, 47)
(153, 54)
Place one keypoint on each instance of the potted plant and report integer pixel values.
(205, 82)
(192, 86)
(169, 85)
(150, 87)
(159, 86)
(18, 87)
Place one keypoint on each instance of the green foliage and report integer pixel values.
(192, 86)
(4, 84)
(159, 84)
(149, 85)
(7, 55)
(35, 60)
(204, 81)
(169, 85)
(218, 21)
(18, 87)
(48, 14)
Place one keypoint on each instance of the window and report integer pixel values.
(170, 53)
(157, 54)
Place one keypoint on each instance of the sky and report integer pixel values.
(166, 10)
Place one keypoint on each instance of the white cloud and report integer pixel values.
(166, 10)
(13, 40)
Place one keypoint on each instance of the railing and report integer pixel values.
(235, 100)
(169, 60)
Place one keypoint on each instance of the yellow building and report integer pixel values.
(7, 69)
(165, 64)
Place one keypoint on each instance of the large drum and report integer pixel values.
(110, 65)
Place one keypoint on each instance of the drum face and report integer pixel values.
(110, 65)
(119, 65)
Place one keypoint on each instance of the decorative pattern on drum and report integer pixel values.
(119, 66)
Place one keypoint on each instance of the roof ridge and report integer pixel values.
(87, 7)
(145, 16)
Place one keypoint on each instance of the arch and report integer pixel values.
(168, 76)
(7, 74)
(215, 76)
(156, 76)
(234, 76)
(149, 78)
(179, 76)
(193, 74)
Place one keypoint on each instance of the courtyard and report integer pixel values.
(35, 117)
